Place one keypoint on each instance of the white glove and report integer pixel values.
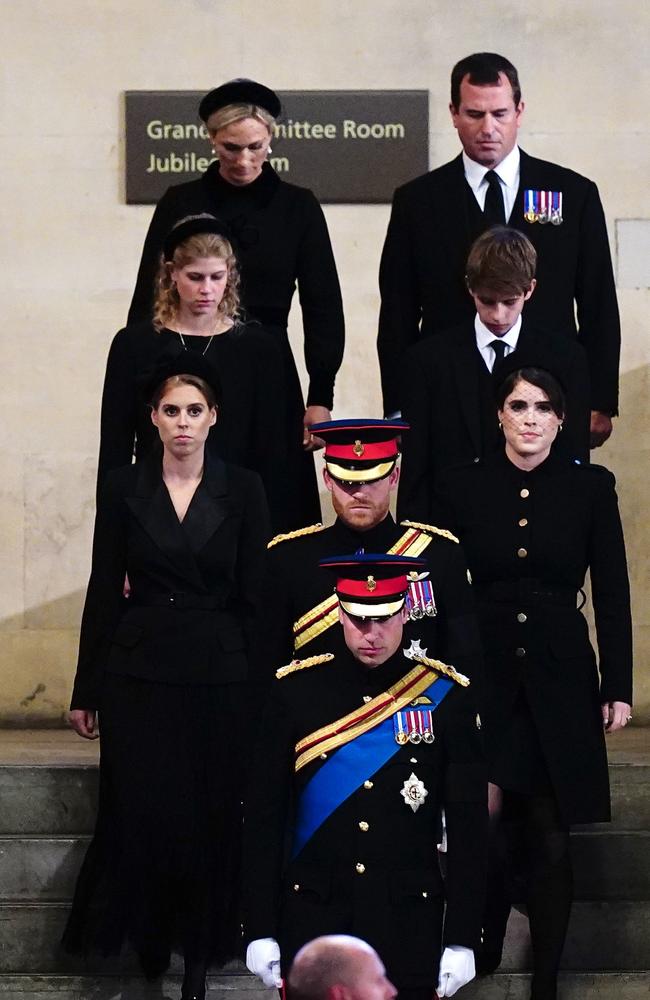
(263, 960)
(456, 969)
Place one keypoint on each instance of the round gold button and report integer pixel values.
(366, 699)
(323, 756)
(524, 493)
(296, 887)
(360, 868)
(368, 784)
(364, 826)
(522, 553)
(521, 617)
(520, 651)
(523, 521)
(425, 895)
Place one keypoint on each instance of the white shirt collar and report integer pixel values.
(484, 337)
(507, 170)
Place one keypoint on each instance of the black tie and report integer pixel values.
(499, 349)
(494, 212)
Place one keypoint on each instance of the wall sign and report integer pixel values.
(352, 146)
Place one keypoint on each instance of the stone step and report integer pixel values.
(44, 869)
(501, 986)
(63, 800)
(611, 936)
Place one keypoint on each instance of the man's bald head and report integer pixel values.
(338, 967)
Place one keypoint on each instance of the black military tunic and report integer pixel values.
(530, 538)
(298, 586)
(371, 869)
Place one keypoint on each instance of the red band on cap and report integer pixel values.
(370, 587)
(360, 450)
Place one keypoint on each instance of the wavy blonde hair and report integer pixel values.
(235, 113)
(166, 299)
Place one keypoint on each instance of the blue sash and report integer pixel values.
(348, 768)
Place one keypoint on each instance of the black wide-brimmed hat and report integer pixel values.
(240, 91)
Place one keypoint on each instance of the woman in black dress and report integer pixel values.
(166, 670)
(532, 524)
(282, 240)
(196, 309)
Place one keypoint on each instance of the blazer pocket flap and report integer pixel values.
(415, 885)
(127, 634)
(310, 882)
(231, 639)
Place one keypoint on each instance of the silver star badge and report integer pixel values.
(414, 793)
(415, 650)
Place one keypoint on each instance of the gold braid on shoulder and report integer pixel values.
(431, 528)
(310, 661)
(298, 533)
(441, 668)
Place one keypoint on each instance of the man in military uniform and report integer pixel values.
(358, 753)
(361, 474)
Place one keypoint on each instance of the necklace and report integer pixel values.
(207, 346)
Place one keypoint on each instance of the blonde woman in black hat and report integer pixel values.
(197, 309)
(282, 241)
(166, 672)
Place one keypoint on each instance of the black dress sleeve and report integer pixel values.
(251, 567)
(119, 408)
(104, 600)
(321, 304)
(400, 313)
(610, 591)
(163, 219)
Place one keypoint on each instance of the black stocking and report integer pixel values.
(497, 903)
(550, 890)
(194, 978)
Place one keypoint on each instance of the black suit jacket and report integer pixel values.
(434, 220)
(440, 399)
(195, 585)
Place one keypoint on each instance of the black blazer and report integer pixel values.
(434, 220)
(281, 239)
(440, 399)
(195, 585)
(530, 538)
(396, 904)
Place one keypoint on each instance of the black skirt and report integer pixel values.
(162, 870)
(515, 756)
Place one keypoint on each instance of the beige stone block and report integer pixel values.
(59, 513)
(12, 595)
(37, 673)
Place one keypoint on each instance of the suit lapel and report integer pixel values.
(210, 505)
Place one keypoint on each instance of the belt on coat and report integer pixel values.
(529, 591)
(178, 599)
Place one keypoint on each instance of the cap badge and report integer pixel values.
(358, 448)
(371, 584)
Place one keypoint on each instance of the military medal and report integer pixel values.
(413, 792)
(413, 725)
(544, 212)
(530, 215)
(556, 208)
(419, 598)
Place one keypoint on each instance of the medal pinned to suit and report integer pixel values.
(419, 598)
(543, 207)
(413, 792)
(413, 725)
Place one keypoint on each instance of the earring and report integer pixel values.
(500, 425)
(560, 428)
(269, 151)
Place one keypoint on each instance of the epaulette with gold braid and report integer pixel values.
(310, 661)
(431, 528)
(441, 668)
(298, 533)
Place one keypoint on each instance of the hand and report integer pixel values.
(263, 960)
(601, 428)
(456, 969)
(313, 415)
(84, 722)
(616, 715)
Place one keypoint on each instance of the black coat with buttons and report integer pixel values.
(530, 538)
(372, 868)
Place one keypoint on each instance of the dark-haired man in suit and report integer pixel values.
(435, 219)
